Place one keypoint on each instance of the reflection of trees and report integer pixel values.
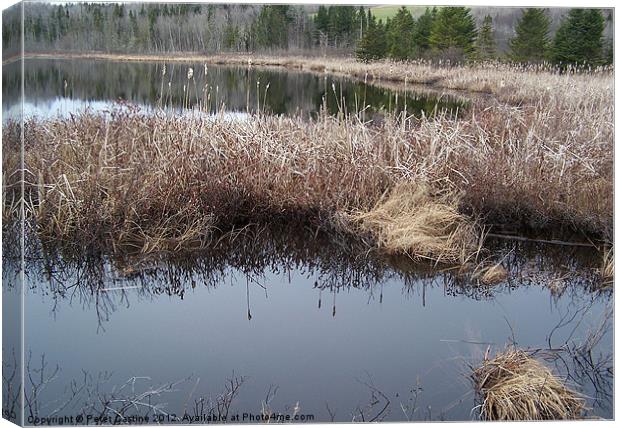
(235, 87)
(11, 386)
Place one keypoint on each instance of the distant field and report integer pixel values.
(384, 12)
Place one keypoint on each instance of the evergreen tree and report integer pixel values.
(422, 32)
(362, 23)
(400, 35)
(579, 40)
(485, 43)
(453, 29)
(231, 36)
(271, 26)
(531, 42)
(321, 19)
(373, 45)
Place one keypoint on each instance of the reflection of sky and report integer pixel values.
(62, 107)
(313, 355)
(59, 107)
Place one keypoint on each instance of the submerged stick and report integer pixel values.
(544, 241)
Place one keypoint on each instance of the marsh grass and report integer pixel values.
(160, 182)
(515, 386)
(606, 270)
(415, 221)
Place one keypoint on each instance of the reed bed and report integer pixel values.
(153, 182)
(516, 386)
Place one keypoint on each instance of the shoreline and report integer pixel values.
(508, 84)
(263, 62)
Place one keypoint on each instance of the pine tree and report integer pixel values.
(485, 43)
(579, 40)
(400, 35)
(422, 33)
(531, 42)
(362, 24)
(271, 26)
(453, 30)
(373, 45)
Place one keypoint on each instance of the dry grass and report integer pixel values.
(11, 176)
(157, 182)
(607, 269)
(420, 223)
(516, 386)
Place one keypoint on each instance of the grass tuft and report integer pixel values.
(420, 223)
(516, 386)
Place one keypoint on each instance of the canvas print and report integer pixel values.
(306, 213)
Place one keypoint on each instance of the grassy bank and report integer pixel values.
(157, 182)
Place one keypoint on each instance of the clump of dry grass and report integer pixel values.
(420, 223)
(516, 386)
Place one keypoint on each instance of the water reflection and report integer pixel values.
(55, 87)
(328, 326)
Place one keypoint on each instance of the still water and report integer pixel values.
(301, 329)
(60, 87)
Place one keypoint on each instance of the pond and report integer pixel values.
(294, 326)
(60, 87)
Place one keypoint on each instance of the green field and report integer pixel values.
(384, 12)
(387, 11)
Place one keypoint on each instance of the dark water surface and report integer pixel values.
(304, 327)
(60, 87)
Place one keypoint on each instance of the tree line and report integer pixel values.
(450, 33)
(446, 33)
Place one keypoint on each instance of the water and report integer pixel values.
(61, 87)
(327, 332)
